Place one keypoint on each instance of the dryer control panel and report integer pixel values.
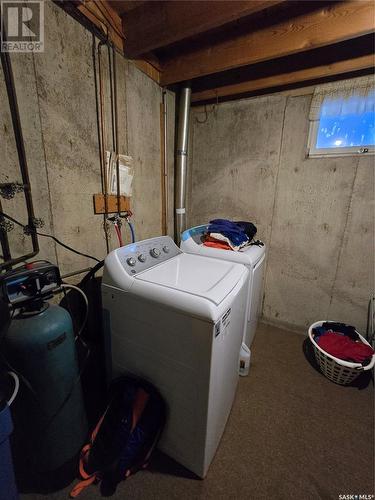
(139, 256)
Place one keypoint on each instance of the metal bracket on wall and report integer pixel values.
(8, 190)
(36, 223)
(6, 225)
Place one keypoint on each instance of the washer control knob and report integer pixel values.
(131, 261)
(165, 249)
(155, 252)
(142, 257)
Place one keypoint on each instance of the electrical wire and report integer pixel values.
(91, 273)
(77, 289)
(11, 368)
(24, 380)
(3, 214)
(16, 387)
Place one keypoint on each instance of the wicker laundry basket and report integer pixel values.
(339, 371)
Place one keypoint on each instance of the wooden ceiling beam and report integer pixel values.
(159, 23)
(102, 15)
(106, 19)
(323, 26)
(122, 6)
(293, 77)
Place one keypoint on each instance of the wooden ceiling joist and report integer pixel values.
(293, 77)
(122, 6)
(323, 26)
(159, 23)
(104, 18)
(101, 14)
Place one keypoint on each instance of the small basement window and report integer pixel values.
(342, 118)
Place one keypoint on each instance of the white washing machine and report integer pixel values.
(253, 257)
(176, 319)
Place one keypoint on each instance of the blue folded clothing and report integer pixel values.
(248, 228)
(231, 230)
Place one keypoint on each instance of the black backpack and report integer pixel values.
(124, 437)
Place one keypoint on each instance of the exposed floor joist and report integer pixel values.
(158, 24)
(101, 14)
(122, 6)
(239, 47)
(323, 26)
(326, 70)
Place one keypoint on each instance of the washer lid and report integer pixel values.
(204, 277)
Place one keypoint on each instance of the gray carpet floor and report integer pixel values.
(292, 434)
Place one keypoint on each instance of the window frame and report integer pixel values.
(343, 89)
(314, 152)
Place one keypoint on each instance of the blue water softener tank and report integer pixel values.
(39, 345)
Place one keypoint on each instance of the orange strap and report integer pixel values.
(81, 486)
(82, 460)
(87, 478)
(140, 402)
(96, 430)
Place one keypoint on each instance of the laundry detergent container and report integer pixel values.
(253, 257)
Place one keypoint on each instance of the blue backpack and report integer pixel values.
(125, 436)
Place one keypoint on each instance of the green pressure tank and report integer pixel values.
(49, 416)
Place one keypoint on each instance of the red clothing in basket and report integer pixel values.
(345, 348)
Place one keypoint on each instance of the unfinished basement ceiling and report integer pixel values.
(234, 48)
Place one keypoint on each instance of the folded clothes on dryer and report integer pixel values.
(248, 228)
(218, 237)
(236, 234)
(228, 229)
(214, 243)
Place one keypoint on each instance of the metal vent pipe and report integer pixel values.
(181, 162)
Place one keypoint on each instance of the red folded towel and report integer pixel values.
(345, 348)
(213, 243)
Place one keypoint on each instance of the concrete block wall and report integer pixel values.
(248, 161)
(56, 97)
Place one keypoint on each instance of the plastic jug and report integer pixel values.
(245, 354)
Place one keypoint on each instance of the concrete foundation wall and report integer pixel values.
(56, 97)
(248, 161)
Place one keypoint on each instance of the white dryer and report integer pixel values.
(176, 319)
(253, 257)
